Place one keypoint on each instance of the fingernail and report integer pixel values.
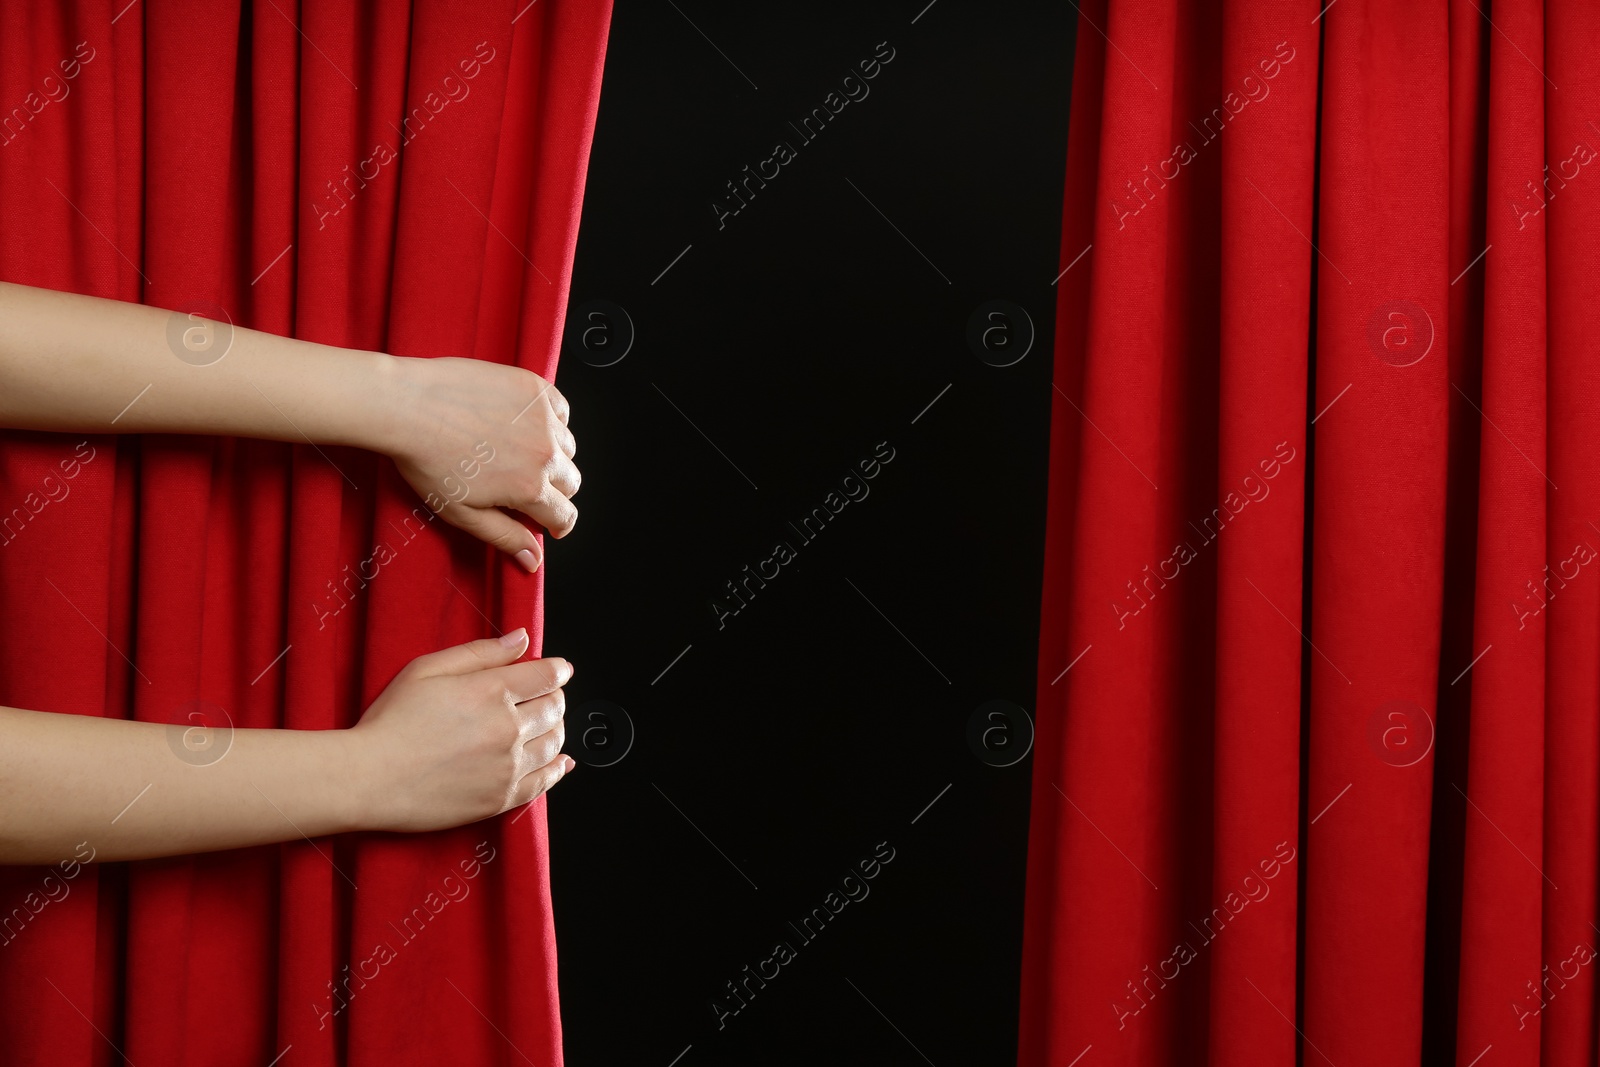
(571, 763)
(515, 638)
(528, 560)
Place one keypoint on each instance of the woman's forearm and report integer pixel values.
(459, 735)
(133, 790)
(134, 368)
(471, 436)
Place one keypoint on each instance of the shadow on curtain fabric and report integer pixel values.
(403, 177)
(1319, 680)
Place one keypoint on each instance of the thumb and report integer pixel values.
(474, 655)
(495, 527)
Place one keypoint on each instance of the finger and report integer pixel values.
(540, 715)
(567, 442)
(558, 403)
(545, 748)
(564, 476)
(532, 678)
(535, 783)
(474, 655)
(495, 527)
(552, 511)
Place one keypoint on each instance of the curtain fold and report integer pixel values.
(383, 176)
(1318, 762)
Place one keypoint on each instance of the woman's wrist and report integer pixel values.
(359, 796)
(379, 401)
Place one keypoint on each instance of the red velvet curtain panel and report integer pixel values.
(1318, 764)
(403, 177)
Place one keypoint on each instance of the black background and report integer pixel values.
(762, 761)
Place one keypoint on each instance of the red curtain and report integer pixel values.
(1318, 765)
(403, 177)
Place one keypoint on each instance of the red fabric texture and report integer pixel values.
(189, 153)
(1318, 760)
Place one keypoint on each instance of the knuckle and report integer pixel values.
(552, 720)
(543, 718)
(550, 672)
(538, 717)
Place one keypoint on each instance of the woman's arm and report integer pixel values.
(458, 736)
(470, 436)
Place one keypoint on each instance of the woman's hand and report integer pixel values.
(473, 437)
(461, 735)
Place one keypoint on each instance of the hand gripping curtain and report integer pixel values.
(1318, 764)
(400, 177)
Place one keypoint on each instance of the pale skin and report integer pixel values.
(458, 735)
